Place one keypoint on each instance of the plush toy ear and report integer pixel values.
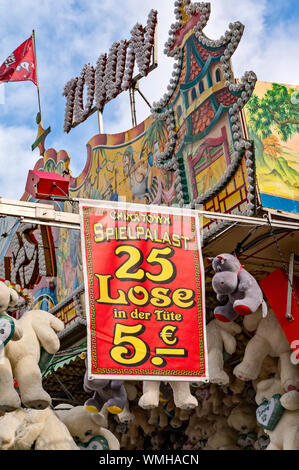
(63, 406)
(209, 259)
(98, 418)
(14, 297)
(229, 421)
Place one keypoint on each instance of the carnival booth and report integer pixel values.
(152, 302)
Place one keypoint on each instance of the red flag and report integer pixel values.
(20, 64)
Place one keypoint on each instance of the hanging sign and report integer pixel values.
(144, 287)
(7, 328)
(275, 287)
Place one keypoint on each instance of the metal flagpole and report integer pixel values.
(37, 85)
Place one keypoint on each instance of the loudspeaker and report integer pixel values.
(44, 185)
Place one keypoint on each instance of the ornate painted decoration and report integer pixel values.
(213, 163)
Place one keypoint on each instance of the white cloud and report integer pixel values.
(16, 159)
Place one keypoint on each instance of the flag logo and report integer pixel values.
(20, 64)
(11, 59)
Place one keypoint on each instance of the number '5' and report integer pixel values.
(127, 335)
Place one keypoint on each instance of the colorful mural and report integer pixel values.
(123, 167)
(272, 116)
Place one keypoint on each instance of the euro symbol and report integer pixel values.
(167, 335)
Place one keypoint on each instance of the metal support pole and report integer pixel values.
(142, 96)
(37, 83)
(100, 121)
(133, 106)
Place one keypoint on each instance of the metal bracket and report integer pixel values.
(290, 289)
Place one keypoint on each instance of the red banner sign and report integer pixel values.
(144, 284)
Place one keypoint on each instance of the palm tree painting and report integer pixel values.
(272, 116)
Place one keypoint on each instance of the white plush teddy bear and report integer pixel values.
(194, 431)
(9, 423)
(283, 430)
(223, 436)
(220, 335)
(85, 427)
(43, 430)
(26, 429)
(243, 419)
(268, 340)
(21, 360)
(182, 396)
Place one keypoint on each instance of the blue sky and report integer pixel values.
(71, 33)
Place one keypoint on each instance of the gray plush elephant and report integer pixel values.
(110, 394)
(233, 283)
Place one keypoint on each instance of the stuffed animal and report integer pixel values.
(158, 417)
(85, 426)
(270, 368)
(126, 416)
(268, 340)
(158, 440)
(110, 394)
(262, 441)
(243, 419)
(9, 329)
(42, 430)
(220, 335)
(26, 429)
(174, 414)
(278, 414)
(21, 361)
(9, 423)
(230, 400)
(8, 297)
(210, 400)
(233, 283)
(181, 395)
(194, 431)
(134, 432)
(207, 428)
(140, 423)
(232, 393)
(222, 437)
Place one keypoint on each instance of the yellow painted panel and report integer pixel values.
(239, 178)
(232, 200)
(231, 187)
(222, 195)
(70, 314)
